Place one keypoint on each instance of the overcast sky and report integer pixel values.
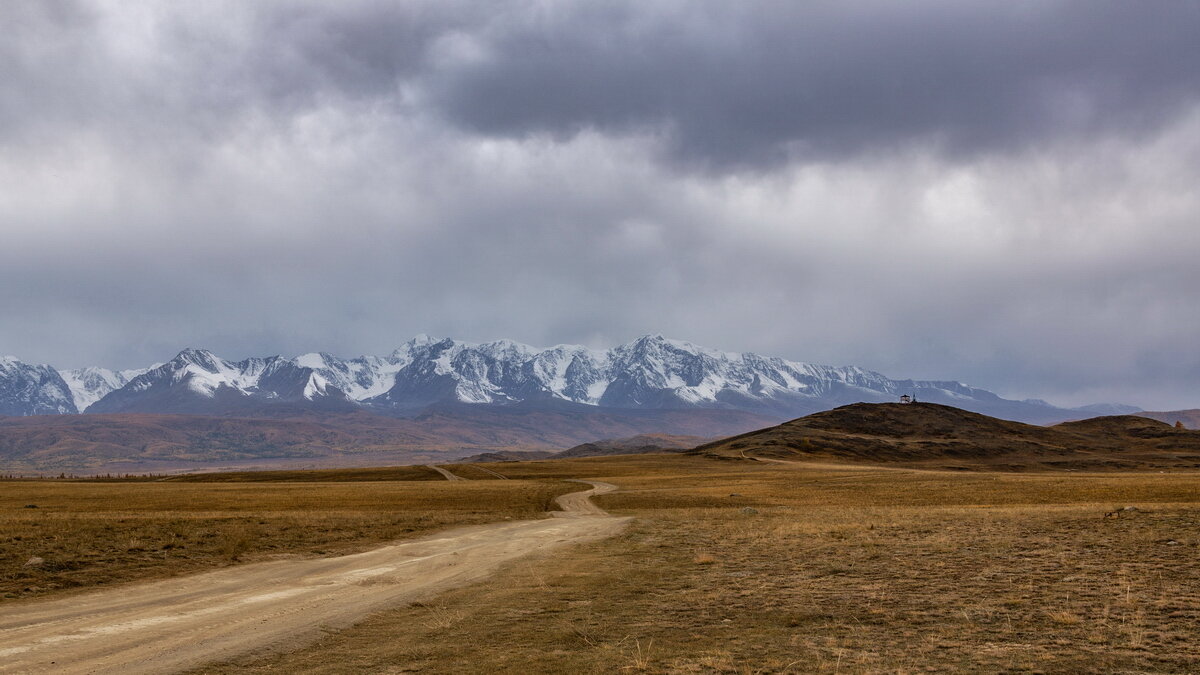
(1002, 193)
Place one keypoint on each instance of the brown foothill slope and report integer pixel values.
(937, 436)
(641, 444)
(141, 443)
(507, 456)
(1189, 418)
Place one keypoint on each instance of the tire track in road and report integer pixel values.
(494, 473)
(445, 472)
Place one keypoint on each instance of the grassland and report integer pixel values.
(90, 533)
(731, 566)
(743, 567)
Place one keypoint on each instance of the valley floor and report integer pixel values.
(747, 567)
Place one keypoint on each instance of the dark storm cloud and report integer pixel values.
(746, 82)
(725, 84)
(1002, 194)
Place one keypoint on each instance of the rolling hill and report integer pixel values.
(929, 435)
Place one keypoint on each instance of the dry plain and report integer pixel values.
(728, 566)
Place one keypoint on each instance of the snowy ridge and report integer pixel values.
(651, 372)
(32, 389)
(91, 384)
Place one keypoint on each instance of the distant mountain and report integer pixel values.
(654, 372)
(27, 389)
(199, 382)
(359, 378)
(650, 373)
(1096, 409)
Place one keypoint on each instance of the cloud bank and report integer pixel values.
(1003, 195)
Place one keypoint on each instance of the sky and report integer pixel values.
(1001, 193)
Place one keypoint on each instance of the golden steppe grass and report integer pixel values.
(89, 533)
(740, 567)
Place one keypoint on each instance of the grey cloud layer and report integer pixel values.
(1003, 194)
(747, 82)
(725, 82)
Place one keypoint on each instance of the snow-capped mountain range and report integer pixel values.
(652, 372)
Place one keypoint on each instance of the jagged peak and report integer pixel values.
(658, 342)
(14, 361)
(506, 346)
(422, 342)
(195, 355)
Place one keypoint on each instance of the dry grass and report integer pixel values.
(84, 534)
(476, 472)
(746, 568)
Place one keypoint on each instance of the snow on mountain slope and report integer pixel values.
(197, 380)
(32, 389)
(654, 372)
(91, 384)
(361, 377)
(651, 372)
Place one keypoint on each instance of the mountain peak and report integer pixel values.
(12, 361)
(32, 389)
(195, 355)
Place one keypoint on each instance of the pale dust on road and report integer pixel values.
(445, 472)
(173, 625)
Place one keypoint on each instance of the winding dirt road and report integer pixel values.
(172, 625)
(445, 472)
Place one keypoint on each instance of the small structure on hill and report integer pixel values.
(907, 399)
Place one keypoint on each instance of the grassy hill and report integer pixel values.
(929, 435)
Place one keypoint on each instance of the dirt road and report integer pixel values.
(494, 473)
(575, 504)
(445, 472)
(172, 625)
